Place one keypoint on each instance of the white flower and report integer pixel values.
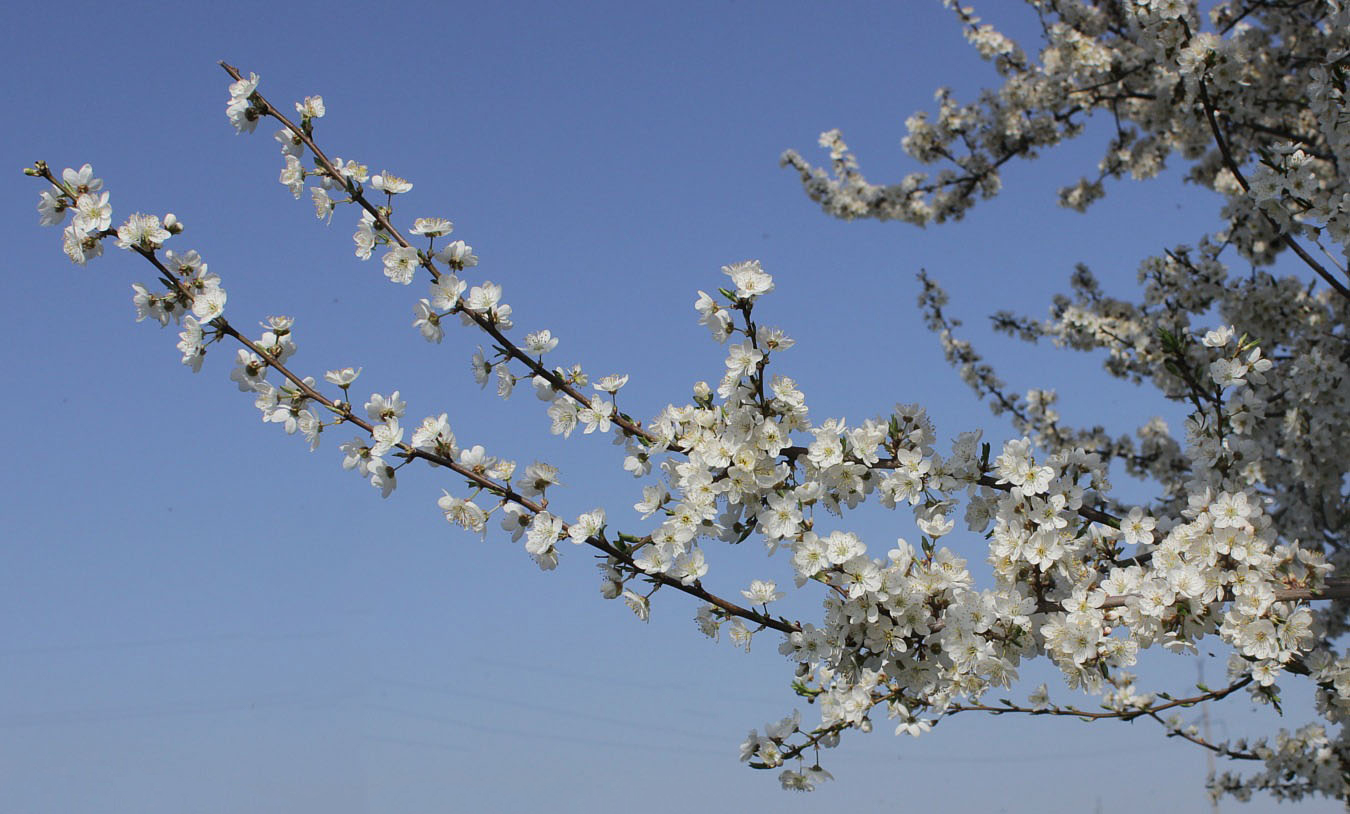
(740, 635)
(365, 235)
(445, 292)
(1231, 510)
(435, 436)
(380, 409)
(515, 519)
(1265, 184)
(426, 320)
(543, 533)
(539, 342)
(432, 227)
(291, 145)
(82, 180)
(714, 316)
(691, 567)
(543, 388)
(1227, 372)
(79, 245)
(762, 592)
(323, 205)
(464, 513)
(1258, 639)
(1169, 9)
(910, 724)
(387, 436)
(637, 604)
(1137, 528)
(352, 171)
(243, 88)
(310, 427)
(506, 382)
(933, 521)
(52, 208)
(653, 497)
(293, 176)
(249, 371)
(749, 279)
(483, 298)
(92, 212)
(588, 525)
(209, 304)
(191, 343)
(773, 339)
(148, 305)
(1257, 366)
(400, 264)
(458, 255)
(597, 416)
(390, 184)
(653, 559)
(141, 232)
(356, 455)
(743, 359)
(188, 264)
(342, 377)
(240, 109)
(538, 477)
(783, 517)
(843, 546)
(311, 108)
(611, 384)
(481, 367)
(1039, 698)
(1219, 337)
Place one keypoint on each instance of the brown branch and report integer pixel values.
(1128, 715)
(1204, 744)
(1124, 715)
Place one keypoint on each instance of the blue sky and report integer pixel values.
(197, 614)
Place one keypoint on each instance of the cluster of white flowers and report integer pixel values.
(1247, 527)
(1152, 67)
(80, 192)
(1256, 488)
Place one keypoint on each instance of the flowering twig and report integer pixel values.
(381, 217)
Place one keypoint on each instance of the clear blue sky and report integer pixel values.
(198, 615)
